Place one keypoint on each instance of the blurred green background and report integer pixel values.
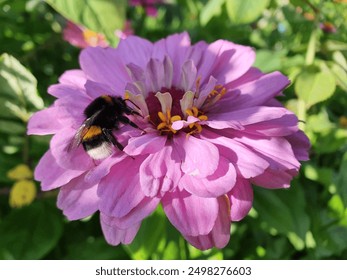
(305, 39)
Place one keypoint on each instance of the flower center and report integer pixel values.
(177, 111)
(155, 107)
(172, 103)
(92, 38)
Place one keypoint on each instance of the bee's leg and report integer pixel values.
(125, 120)
(130, 111)
(109, 136)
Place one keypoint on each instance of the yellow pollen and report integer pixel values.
(189, 112)
(161, 125)
(175, 118)
(215, 94)
(197, 85)
(195, 111)
(162, 116)
(90, 37)
(167, 120)
(196, 127)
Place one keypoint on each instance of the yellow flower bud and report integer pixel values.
(22, 193)
(20, 172)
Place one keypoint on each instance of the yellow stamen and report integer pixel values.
(189, 112)
(161, 125)
(175, 118)
(162, 116)
(167, 120)
(197, 85)
(195, 111)
(172, 130)
(215, 94)
(198, 127)
(203, 118)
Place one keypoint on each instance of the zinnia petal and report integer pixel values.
(51, 175)
(115, 235)
(241, 199)
(194, 154)
(78, 199)
(220, 234)
(160, 172)
(190, 214)
(215, 185)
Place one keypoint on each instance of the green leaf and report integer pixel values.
(283, 210)
(322, 175)
(245, 11)
(341, 180)
(314, 87)
(103, 16)
(211, 9)
(30, 232)
(332, 45)
(269, 61)
(320, 122)
(330, 241)
(339, 58)
(94, 249)
(18, 87)
(340, 75)
(149, 237)
(332, 141)
(11, 127)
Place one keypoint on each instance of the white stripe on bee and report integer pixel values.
(101, 152)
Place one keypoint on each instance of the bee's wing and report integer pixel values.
(77, 139)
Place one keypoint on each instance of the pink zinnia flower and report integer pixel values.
(82, 37)
(148, 5)
(213, 127)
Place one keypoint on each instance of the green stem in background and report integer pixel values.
(313, 7)
(301, 113)
(311, 48)
(25, 152)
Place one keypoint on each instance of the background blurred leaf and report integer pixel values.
(94, 249)
(12, 127)
(341, 179)
(245, 11)
(284, 210)
(313, 87)
(149, 237)
(103, 16)
(18, 87)
(30, 232)
(269, 61)
(211, 9)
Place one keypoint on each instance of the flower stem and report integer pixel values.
(311, 48)
(301, 113)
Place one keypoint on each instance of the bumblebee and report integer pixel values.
(103, 116)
